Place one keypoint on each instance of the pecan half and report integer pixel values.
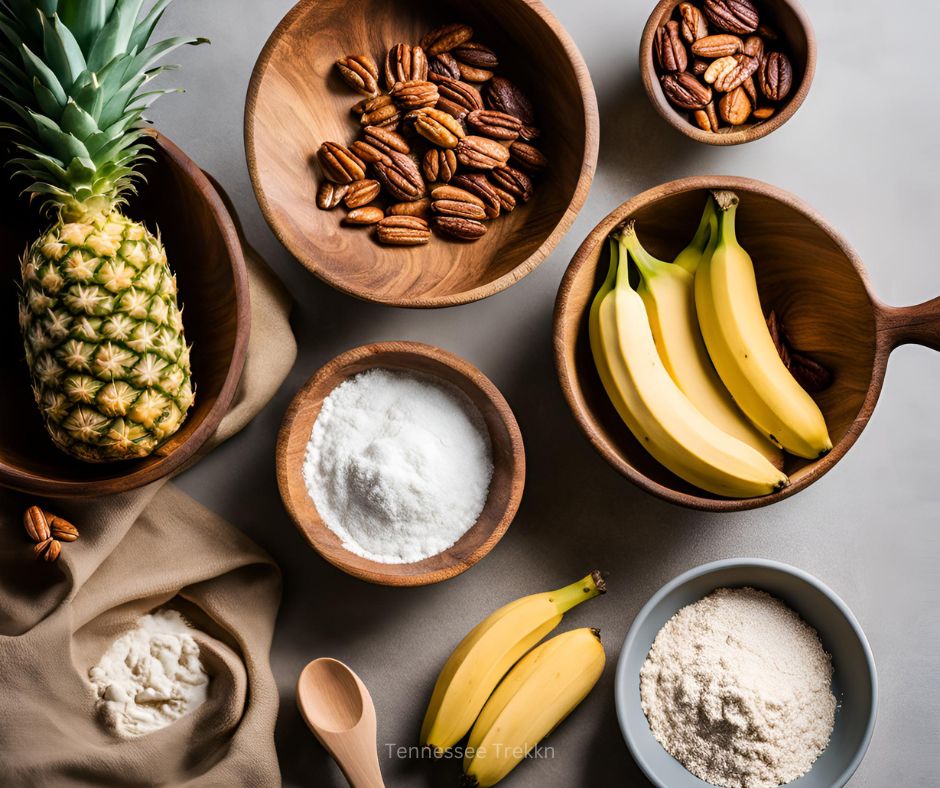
(699, 66)
(460, 228)
(403, 230)
(735, 107)
(776, 76)
(439, 127)
(400, 177)
(735, 16)
(473, 74)
(360, 73)
(527, 157)
(385, 140)
(36, 524)
(453, 201)
(507, 202)
(504, 96)
(480, 187)
(47, 550)
(361, 193)
(763, 113)
(405, 63)
(693, 24)
(444, 39)
(367, 151)
(754, 46)
(380, 111)
(439, 166)
(443, 66)
(514, 181)
(670, 51)
(458, 98)
(685, 91)
(415, 94)
(420, 208)
(494, 124)
(718, 45)
(330, 194)
(364, 216)
(339, 164)
(61, 529)
(481, 153)
(475, 54)
(728, 72)
(701, 119)
(751, 89)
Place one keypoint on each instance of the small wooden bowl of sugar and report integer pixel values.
(401, 463)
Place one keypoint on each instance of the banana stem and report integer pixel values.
(727, 203)
(573, 595)
(647, 265)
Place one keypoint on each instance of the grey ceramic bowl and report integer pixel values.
(854, 682)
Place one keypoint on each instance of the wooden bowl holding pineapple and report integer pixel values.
(104, 400)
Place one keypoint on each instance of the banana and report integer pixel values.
(742, 349)
(662, 418)
(487, 653)
(536, 696)
(668, 291)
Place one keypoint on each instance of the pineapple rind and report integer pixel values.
(103, 336)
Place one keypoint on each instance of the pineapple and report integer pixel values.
(101, 324)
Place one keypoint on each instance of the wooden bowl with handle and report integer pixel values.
(204, 251)
(296, 102)
(806, 272)
(790, 22)
(506, 485)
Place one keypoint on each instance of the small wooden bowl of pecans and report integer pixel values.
(421, 154)
(725, 72)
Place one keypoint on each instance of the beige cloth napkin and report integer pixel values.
(138, 551)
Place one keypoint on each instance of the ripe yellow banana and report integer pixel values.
(487, 653)
(662, 418)
(668, 291)
(543, 689)
(742, 349)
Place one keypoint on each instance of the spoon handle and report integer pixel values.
(355, 754)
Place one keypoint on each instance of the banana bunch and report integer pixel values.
(510, 714)
(688, 362)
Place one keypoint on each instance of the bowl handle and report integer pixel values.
(918, 324)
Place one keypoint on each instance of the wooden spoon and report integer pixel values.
(338, 708)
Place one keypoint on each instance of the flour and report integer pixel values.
(398, 465)
(737, 688)
(150, 676)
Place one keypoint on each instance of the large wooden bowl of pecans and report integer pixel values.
(724, 72)
(419, 153)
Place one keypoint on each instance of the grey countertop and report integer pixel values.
(864, 151)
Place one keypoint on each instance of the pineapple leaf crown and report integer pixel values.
(73, 75)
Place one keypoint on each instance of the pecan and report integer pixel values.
(751, 89)
(443, 66)
(776, 76)
(61, 529)
(514, 181)
(405, 63)
(735, 107)
(439, 165)
(479, 186)
(735, 16)
(670, 51)
(380, 111)
(400, 177)
(712, 111)
(728, 72)
(413, 95)
(419, 208)
(506, 201)
(504, 96)
(476, 55)
(340, 164)
(361, 193)
(364, 216)
(693, 24)
(452, 201)
(481, 153)
(37, 526)
(360, 73)
(47, 550)
(699, 66)
(810, 374)
(763, 113)
(360, 106)
(367, 151)
(403, 230)
(527, 157)
(329, 195)
(718, 45)
(685, 91)
(530, 133)
(445, 38)
(754, 46)
(493, 124)
(385, 140)
(458, 98)
(700, 116)
(472, 74)
(440, 128)
(460, 228)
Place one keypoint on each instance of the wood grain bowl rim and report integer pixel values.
(581, 189)
(318, 534)
(741, 136)
(179, 455)
(571, 387)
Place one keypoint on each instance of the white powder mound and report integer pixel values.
(737, 688)
(150, 676)
(398, 465)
